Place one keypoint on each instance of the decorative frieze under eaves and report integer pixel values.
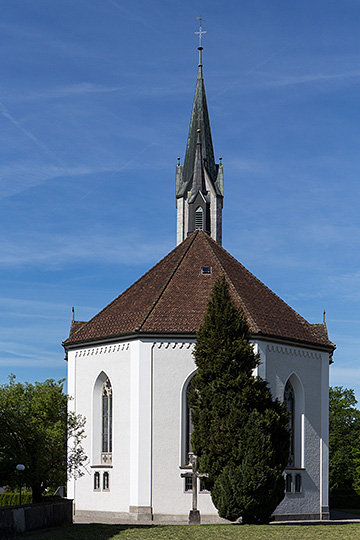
(294, 351)
(174, 345)
(107, 349)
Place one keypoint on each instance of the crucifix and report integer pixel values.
(194, 514)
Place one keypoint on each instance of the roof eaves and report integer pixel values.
(130, 336)
(327, 347)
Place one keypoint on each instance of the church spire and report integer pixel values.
(199, 181)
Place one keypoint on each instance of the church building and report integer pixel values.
(130, 366)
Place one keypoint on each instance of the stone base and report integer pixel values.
(325, 513)
(296, 517)
(194, 517)
(141, 513)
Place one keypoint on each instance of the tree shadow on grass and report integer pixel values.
(84, 531)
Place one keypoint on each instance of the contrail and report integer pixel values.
(251, 70)
(6, 114)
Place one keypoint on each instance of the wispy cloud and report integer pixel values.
(8, 116)
(345, 376)
(291, 80)
(270, 79)
(346, 285)
(53, 250)
(59, 92)
(23, 176)
(134, 15)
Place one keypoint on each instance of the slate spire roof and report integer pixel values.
(171, 298)
(199, 121)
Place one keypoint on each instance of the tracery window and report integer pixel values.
(289, 398)
(106, 436)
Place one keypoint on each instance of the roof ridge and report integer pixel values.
(233, 288)
(166, 285)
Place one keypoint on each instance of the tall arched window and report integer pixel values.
(294, 398)
(189, 425)
(186, 423)
(106, 435)
(289, 398)
(199, 218)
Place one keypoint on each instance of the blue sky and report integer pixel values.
(95, 102)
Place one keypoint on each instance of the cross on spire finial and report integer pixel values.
(201, 31)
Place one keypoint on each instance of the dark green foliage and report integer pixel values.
(35, 428)
(256, 486)
(12, 499)
(240, 433)
(344, 439)
(345, 498)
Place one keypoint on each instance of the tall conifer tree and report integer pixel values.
(240, 434)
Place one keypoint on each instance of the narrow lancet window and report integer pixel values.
(188, 427)
(289, 398)
(96, 481)
(106, 447)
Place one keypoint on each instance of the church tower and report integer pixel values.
(199, 181)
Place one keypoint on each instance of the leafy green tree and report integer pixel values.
(240, 433)
(344, 438)
(35, 428)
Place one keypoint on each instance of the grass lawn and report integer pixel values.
(203, 532)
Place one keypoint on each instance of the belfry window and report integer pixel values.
(199, 218)
(106, 438)
(289, 398)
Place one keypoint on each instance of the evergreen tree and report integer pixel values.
(240, 433)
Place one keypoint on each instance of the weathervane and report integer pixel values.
(201, 31)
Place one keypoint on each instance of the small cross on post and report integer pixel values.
(201, 31)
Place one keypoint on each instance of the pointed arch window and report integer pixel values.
(106, 432)
(186, 424)
(289, 398)
(189, 426)
(199, 218)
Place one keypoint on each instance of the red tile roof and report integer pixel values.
(171, 298)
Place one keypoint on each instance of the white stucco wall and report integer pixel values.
(173, 364)
(147, 380)
(83, 370)
(311, 368)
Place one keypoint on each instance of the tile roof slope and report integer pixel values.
(172, 297)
